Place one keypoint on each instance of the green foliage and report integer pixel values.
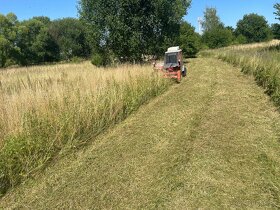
(7, 37)
(40, 40)
(215, 34)
(277, 13)
(275, 28)
(70, 35)
(240, 39)
(189, 40)
(132, 28)
(4, 48)
(254, 27)
(98, 60)
(45, 20)
(218, 37)
(35, 43)
(211, 20)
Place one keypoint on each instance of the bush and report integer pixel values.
(240, 39)
(77, 59)
(219, 37)
(98, 60)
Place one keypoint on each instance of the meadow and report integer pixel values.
(211, 142)
(262, 60)
(47, 110)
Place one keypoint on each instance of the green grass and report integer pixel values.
(260, 60)
(211, 142)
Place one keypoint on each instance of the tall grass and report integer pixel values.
(44, 110)
(260, 60)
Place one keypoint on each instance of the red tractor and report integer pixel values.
(173, 66)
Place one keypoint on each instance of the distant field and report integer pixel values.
(44, 109)
(260, 60)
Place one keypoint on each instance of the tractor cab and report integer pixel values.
(173, 58)
(173, 66)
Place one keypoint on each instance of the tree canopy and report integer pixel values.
(277, 13)
(211, 20)
(215, 34)
(7, 37)
(35, 43)
(130, 28)
(40, 40)
(70, 35)
(254, 27)
(189, 40)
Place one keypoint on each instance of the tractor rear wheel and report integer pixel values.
(184, 73)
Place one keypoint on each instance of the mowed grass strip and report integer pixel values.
(210, 142)
(261, 60)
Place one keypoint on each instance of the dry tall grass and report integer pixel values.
(44, 109)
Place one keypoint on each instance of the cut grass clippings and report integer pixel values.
(260, 60)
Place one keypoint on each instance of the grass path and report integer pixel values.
(211, 142)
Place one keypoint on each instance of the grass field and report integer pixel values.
(211, 142)
(45, 110)
(260, 60)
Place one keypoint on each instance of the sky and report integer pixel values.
(230, 11)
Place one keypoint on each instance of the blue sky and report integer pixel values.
(229, 11)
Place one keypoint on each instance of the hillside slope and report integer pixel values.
(210, 142)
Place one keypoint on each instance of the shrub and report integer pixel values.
(98, 60)
(216, 38)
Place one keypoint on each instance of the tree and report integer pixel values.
(254, 27)
(218, 37)
(35, 43)
(277, 13)
(275, 28)
(4, 49)
(230, 28)
(215, 34)
(211, 20)
(45, 20)
(70, 35)
(189, 40)
(129, 29)
(7, 38)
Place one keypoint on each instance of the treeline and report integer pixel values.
(123, 31)
(107, 31)
(250, 29)
(40, 40)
